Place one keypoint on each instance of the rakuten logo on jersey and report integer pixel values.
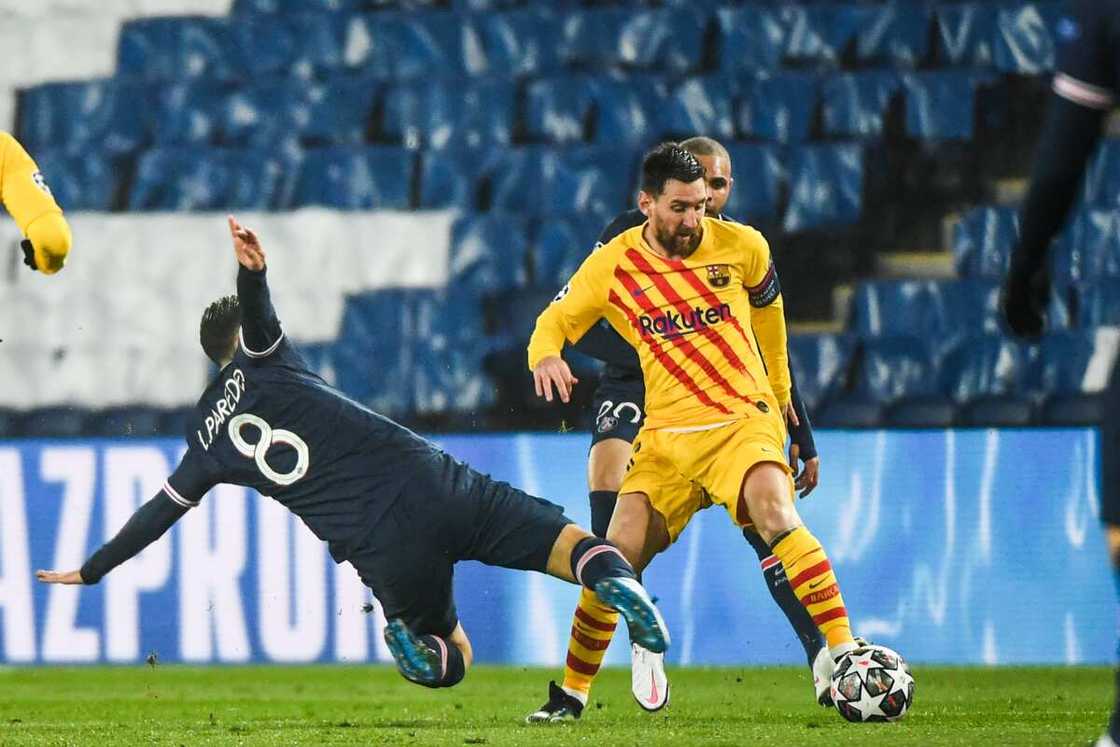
(673, 323)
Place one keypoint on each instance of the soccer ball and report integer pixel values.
(872, 683)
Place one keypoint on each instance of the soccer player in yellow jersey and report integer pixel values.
(29, 201)
(687, 292)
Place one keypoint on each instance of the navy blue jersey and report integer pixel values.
(267, 422)
(1088, 45)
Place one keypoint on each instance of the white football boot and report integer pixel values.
(648, 682)
(823, 667)
(1105, 741)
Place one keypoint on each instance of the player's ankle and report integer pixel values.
(839, 650)
(580, 695)
(594, 559)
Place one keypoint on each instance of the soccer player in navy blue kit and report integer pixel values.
(619, 407)
(1084, 91)
(400, 510)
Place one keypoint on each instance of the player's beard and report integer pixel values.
(681, 243)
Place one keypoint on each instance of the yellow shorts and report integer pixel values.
(685, 472)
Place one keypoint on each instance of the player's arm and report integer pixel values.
(30, 203)
(148, 524)
(768, 316)
(261, 333)
(578, 306)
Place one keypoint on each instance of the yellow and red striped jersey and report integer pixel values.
(691, 321)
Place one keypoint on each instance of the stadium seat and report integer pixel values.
(372, 358)
(450, 346)
(589, 38)
(583, 181)
(821, 366)
(826, 186)
(896, 34)
(244, 7)
(1103, 177)
(86, 181)
(449, 178)
(522, 41)
(450, 113)
(1024, 41)
(510, 180)
(987, 376)
(355, 178)
(209, 179)
(750, 39)
(941, 105)
(823, 34)
(627, 110)
(755, 199)
(559, 110)
(272, 113)
(1089, 248)
(778, 107)
(1099, 303)
(489, 254)
(127, 421)
(1072, 368)
(54, 422)
(900, 373)
(700, 105)
(103, 116)
(190, 113)
(666, 40)
(297, 43)
(172, 48)
(560, 246)
(983, 239)
(855, 104)
(966, 34)
(412, 46)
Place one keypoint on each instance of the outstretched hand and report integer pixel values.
(59, 577)
(246, 246)
(554, 371)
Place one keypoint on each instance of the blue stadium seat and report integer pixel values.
(750, 39)
(971, 306)
(1024, 41)
(446, 114)
(755, 199)
(583, 181)
(778, 107)
(1102, 181)
(489, 254)
(826, 186)
(523, 41)
(373, 359)
(822, 34)
(855, 104)
(666, 40)
(820, 364)
(415, 45)
(1089, 248)
(983, 239)
(966, 34)
(449, 178)
(102, 115)
(559, 110)
(127, 422)
(700, 105)
(559, 247)
(243, 7)
(1099, 303)
(627, 110)
(86, 181)
(987, 376)
(296, 43)
(355, 178)
(272, 113)
(190, 113)
(890, 308)
(511, 180)
(172, 48)
(448, 337)
(941, 105)
(901, 374)
(210, 179)
(53, 422)
(589, 39)
(897, 34)
(1072, 369)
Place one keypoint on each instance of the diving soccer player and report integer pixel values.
(27, 198)
(683, 289)
(401, 511)
(1085, 90)
(618, 405)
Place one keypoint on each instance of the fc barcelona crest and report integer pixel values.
(718, 276)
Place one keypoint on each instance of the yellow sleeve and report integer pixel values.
(30, 203)
(768, 319)
(575, 309)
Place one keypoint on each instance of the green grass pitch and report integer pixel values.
(373, 705)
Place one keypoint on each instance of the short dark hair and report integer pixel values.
(668, 161)
(218, 330)
(706, 146)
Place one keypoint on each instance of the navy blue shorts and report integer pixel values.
(457, 514)
(619, 407)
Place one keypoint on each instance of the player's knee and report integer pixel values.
(51, 239)
(606, 465)
(767, 498)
